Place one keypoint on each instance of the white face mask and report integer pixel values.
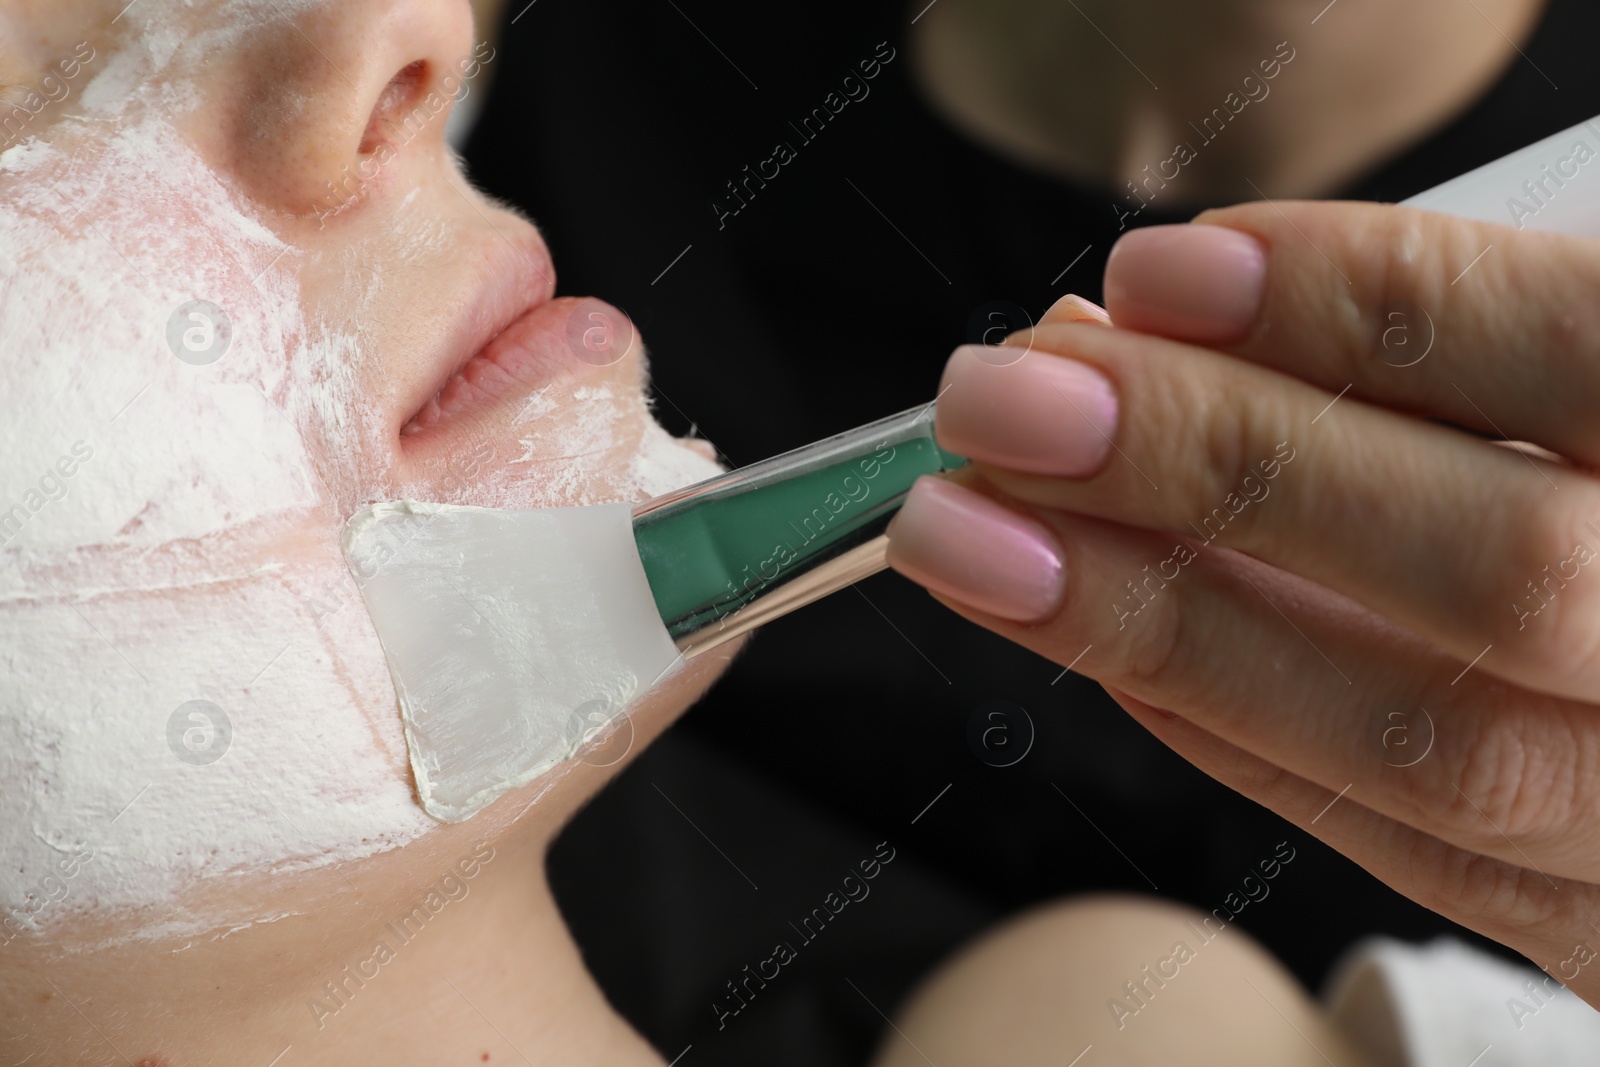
(191, 687)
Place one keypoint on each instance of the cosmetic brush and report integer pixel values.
(515, 637)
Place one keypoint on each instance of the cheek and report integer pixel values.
(192, 687)
(151, 324)
(237, 724)
(664, 463)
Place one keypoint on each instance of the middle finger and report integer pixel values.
(1480, 549)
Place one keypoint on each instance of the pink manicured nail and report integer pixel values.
(1191, 283)
(1074, 308)
(1042, 414)
(969, 548)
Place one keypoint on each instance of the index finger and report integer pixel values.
(1483, 326)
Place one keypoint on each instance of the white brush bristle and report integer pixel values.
(508, 634)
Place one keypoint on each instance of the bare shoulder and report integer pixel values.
(1138, 981)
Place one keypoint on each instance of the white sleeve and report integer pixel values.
(1446, 1004)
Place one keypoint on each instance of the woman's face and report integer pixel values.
(245, 290)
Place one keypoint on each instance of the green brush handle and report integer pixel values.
(748, 546)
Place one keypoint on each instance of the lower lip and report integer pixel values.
(561, 338)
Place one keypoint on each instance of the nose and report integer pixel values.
(333, 95)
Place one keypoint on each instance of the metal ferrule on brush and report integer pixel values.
(730, 554)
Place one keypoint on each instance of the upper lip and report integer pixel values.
(512, 275)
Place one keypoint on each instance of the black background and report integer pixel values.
(833, 299)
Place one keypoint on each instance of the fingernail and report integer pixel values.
(1074, 308)
(962, 544)
(1192, 283)
(1042, 414)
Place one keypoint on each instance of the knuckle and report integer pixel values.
(1488, 789)
(1422, 254)
(1471, 884)
(1568, 647)
(1514, 781)
(1382, 288)
(1148, 649)
(1358, 288)
(1364, 264)
(1457, 883)
(1167, 654)
(1256, 777)
(1391, 325)
(1230, 440)
(1551, 621)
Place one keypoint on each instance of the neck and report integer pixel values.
(505, 979)
(1100, 90)
(489, 976)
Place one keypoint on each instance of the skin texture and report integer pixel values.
(272, 108)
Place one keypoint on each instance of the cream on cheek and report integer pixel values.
(587, 443)
(185, 694)
(192, 691)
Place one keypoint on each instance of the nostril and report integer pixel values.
(397, 97)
